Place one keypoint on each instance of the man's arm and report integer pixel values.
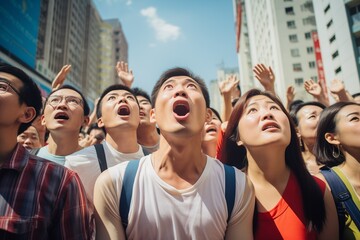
(108, 221)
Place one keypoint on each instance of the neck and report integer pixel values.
(63, 145)
(351, 166)
(147, 135)
(209, 148)
(124, 141)
(7, 143)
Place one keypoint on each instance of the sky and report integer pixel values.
(161, 34)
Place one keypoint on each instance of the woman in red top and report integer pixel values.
(290, 204)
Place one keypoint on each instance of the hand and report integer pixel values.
(265, 76)
(124, 74)
(227, 86)
(335, 97)
(87, 141)
(60, 77)
(313, 88)
(337, 86)
(290, 94)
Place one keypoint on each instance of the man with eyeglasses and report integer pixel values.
(64, 113)
(39, 199)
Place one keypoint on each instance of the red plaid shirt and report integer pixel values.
(40, 199)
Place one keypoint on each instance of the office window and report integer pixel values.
(308, 35)
(293, 38)
(299, 81)
(332, 38)
(289, 10)
(309, 21)
(312, 64)
(314, 78)
(291, 24)
(329, 23)
(335, 54)
(327, 8)
(295, 52)
(309, 49)
(338, 70)
(297, 67)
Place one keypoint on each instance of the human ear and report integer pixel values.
(152, 116)
(86, 121)
(100, 123)
(209, 114)
(332, 138)
(28, 115)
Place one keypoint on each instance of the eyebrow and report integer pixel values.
(253, 103)
(353, 113)
(187, 80)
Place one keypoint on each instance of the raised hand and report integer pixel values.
(290, 94)
(60, 77)
(227, 86)
(313, 88)
(265, 76)
(125, 75)
(337, 86)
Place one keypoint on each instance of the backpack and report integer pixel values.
(128, 183)
(342, 197)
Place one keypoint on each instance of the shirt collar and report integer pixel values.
(18, 159)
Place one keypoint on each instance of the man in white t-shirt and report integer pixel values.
(178, 192)
(118, 114)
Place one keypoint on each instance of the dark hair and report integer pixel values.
(294, 104)
(216, 113)
(327, 124)
(297, 108)
(86, 106)
(174, 72)
(140, 92)
(356, 95)
(110, 89)
(232, 154)
(29, 92)
(91, 127)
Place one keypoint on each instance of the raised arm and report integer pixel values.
(290, 94)
(125, 74)
(265, 76)
(226, 87)
(337, 87)
(316, 91)
(60, 77)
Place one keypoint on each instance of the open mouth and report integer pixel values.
(142, 114)
(124, 110)
(270, 126)
(211, 129)
(62, 116)
(181, 108)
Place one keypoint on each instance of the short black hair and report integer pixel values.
(29, 93)
(294, 104)
(93, 126)
(356, 95)
(86, 106)
(140, 92)
(174, 72)
(216, 113)
(296, 109)
(110, 89)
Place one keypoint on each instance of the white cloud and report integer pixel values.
(128, 2)
(164, 31)
(113, 2)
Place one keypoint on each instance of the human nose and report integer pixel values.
(267, 114)
(122, 99)
(179, 91)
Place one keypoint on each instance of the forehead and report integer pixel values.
(16, 82)
(31, 130)
(310, 109)
(180, 80)
(349, 109)
(119, 92)
(66, 92)
(258, 100)
(141, 98)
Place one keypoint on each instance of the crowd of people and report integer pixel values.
(168, 166)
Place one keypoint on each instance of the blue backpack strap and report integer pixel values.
(126, 190)
(101, 156)
(342, 197)
(230, 188)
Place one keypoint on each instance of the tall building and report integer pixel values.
(107, 56)
(338, 24)
(280, 35)
(120, 43)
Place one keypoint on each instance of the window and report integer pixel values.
(332, 38)
(289, 10)
(338, 70)
(309, 49)
(297, 67)
(314, 78)
(299, 81)
(295, 52)
(327, 8)
(293, 38)
(308, 35)
(312, 64)
(335, 54)
(329, 23)
(309, 21)
(291, 24)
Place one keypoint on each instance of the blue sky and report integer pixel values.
(161, 34)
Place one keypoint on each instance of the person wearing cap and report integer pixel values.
(39, 199)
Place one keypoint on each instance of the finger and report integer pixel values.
(126, 67)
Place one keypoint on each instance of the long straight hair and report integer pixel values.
(232, 154)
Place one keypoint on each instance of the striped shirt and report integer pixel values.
(40, 199)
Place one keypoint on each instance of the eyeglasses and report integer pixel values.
(4, 87)
(55, 100)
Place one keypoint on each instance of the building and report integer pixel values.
(279, 34)
(107, 56)
(338, 24)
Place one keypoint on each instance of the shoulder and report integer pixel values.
(84, 156)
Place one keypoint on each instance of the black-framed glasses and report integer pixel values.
(55, 100)
(4, 87)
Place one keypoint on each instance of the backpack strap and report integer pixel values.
(230, 188)
(342, 197)
(101, 156)
(126, 190)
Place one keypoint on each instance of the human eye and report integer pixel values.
(274, 107)
(111, 98)
(354, 119)
(3, 86)
(54, 99)
(251, 110)
(168, 86)
(131, 97)
(73, 100)
(192, 85)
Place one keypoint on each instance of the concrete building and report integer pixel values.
(107, 56)
(338, 24)
(279, 34)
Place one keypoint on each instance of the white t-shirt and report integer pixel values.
(85, 163)
(44, 153)
(160, 211)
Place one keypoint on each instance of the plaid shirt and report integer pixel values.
(40, 199)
